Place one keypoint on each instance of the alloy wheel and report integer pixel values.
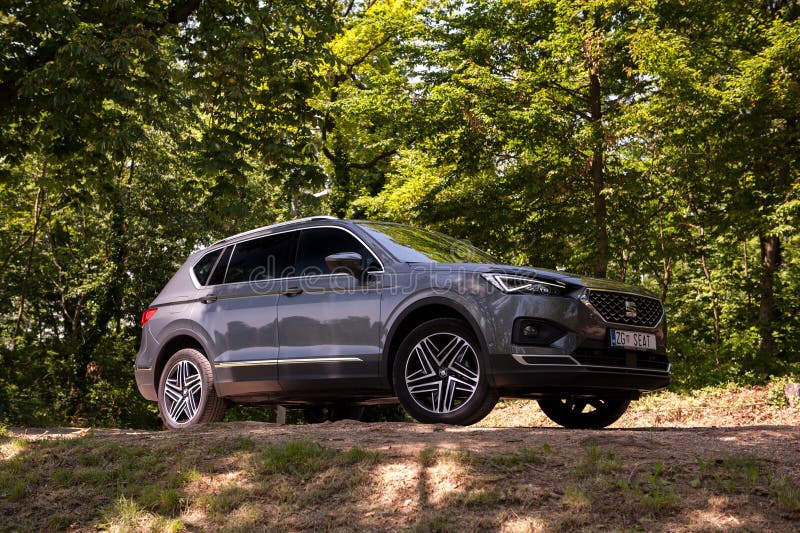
(442, 372)
(183, 391)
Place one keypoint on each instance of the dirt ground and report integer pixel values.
(669, 465)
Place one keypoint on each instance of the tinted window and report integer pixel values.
(416, 245)
(202, 269)
(222, 265)
(318, 243)
(259, 259)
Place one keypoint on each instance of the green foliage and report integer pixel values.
(516, 461)
(787, 492)
(732, 474)
(650, 142)
(654, 493)
(598, 462)
(304, 459)
(777, 390)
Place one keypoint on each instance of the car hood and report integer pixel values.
(575, 280)
(571, 280)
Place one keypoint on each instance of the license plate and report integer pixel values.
(632, 340)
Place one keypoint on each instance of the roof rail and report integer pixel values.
(278, 225)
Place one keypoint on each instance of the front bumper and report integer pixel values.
(549, 375)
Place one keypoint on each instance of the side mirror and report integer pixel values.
(349, 262)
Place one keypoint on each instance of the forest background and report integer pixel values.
(654, 142)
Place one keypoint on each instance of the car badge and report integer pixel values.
(630, 309)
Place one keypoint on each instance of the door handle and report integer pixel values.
(209, 298)
(293, 291)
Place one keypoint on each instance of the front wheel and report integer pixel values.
(186, 395)
(584, 413)
(440, 376)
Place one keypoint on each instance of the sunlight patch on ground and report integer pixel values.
(396, 487)
(710, 519)
(12, 448)
(525, 524)
(444, 479)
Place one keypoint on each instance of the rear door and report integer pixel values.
(329, 323)
(239, 312)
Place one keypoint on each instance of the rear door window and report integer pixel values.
(262, 259)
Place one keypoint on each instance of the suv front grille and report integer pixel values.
(630, 309)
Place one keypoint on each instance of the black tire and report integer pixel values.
(316, 414)
(186, 395)
(584, 413)
(455, 376)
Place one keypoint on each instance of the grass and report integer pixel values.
(600, 477)
(516, 461)
(727, 404)
(232, 483)
(578, 497)
(654, 494)
(732, 474)
(787, 494)
(303, 458)
(126, 515)
(234, 445)
(132, 488)
(597, 462)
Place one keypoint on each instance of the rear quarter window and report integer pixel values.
(202, 269)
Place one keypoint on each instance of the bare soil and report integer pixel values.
(723, 461)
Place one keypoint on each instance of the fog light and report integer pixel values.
(530, 331)
(536, 331)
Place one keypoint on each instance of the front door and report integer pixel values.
(329, 323)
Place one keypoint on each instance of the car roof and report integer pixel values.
(265, 229)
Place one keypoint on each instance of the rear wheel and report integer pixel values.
(440, 375)
(186, 395)
(584, 413)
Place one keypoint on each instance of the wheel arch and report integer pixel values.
(418, 313)
(177, 342)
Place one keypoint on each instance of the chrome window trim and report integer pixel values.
(359, 239)
(208, 250)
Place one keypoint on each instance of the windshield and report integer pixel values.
(414, 245)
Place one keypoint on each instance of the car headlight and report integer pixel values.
(511, 284)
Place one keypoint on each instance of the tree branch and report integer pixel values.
(374, 161)
(179, 14)
(368, 53)
(328, 153)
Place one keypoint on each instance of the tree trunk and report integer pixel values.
(767, 311)
(108, 301)
(714, 308)
(37, 214)
(666, 262)
(596, 167)
(340, 186)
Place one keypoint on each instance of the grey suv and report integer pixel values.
(331, 315)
